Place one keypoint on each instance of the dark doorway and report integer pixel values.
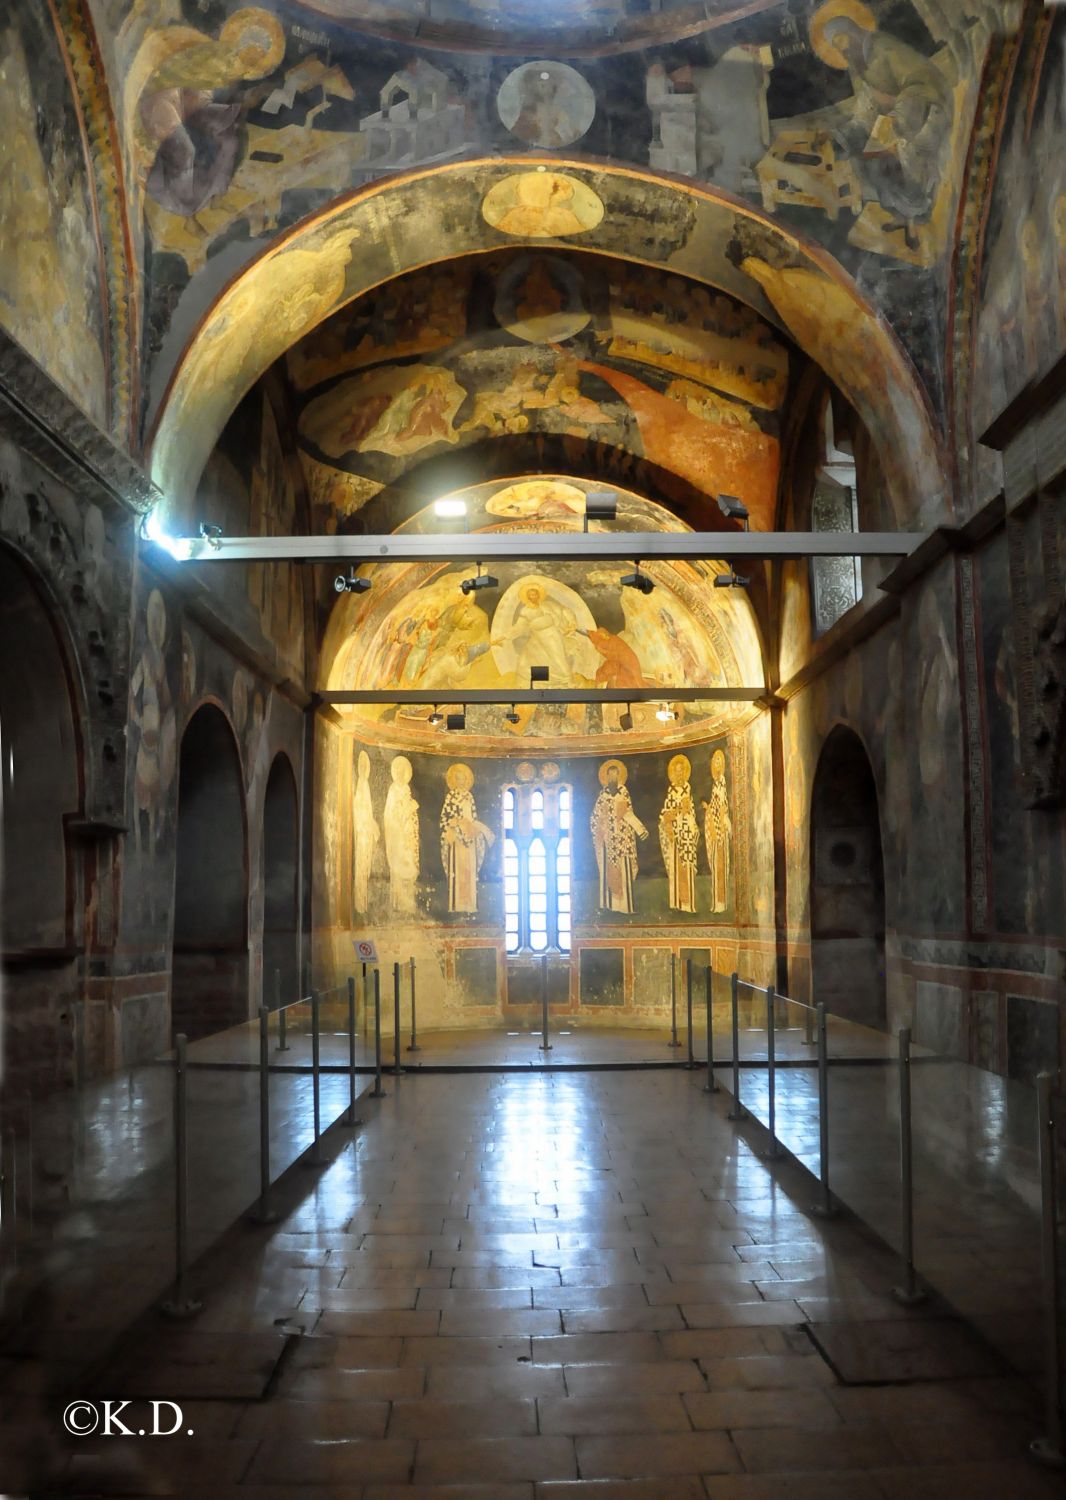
(40, 790)
(210, 969)
(281, 896)
(847, 884)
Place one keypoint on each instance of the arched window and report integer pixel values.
(836, 582)
(536, 868)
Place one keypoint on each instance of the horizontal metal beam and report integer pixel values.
(412, 696)
(545, 546)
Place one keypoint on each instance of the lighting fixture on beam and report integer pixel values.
(456, 721)
(600, 505)
(212, 535)
(513, 717)
(436, 717)
(537, 674)
(664, 714)
(638, 580)
(734, 510)
(625, 721)
(152, 530)
(352, 584)
(731, 580)
(450, 510)
(482, 581)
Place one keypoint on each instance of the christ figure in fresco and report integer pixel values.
(463, 840)
(615, 829)
(679, 836)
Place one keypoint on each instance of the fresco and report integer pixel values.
(541, 205)
(51, 277)
(366, 832)
(615, 829)
(402, 848)
(679, 836)
(464, 839)
(718, 832)
(546, 104)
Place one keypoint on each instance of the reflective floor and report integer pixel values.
(526, 1287)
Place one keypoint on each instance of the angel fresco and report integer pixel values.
(189, 112)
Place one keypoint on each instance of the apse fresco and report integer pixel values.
(685, 379)
(51, 283)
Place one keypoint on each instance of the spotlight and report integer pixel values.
(665, 715)
(456, 721)
(600, 505)
(625, 721)
(449, 509)
(352, 584)
(537, 674)
(733, 509)
(212, 535)
(482, 581)
(731, 580)
(638, 580)
(152, 530)
(436, 717)
(512, 717)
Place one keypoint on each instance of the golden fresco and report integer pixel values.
(541, 205)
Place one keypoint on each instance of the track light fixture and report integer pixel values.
(482, 581)
(352, 584)
(600, 505)
(638, 580)
(537, 674)
(513, 716)
(212, 535)
(734, 510)
(664, 714)
(731, 580)
(456, 721)
(625, 721)
(436, 717)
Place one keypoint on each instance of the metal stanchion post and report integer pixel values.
(673, 1042)
(352, 1117)
(366, 1004)
(377, 1092)
(314, 1156)
(396, 1068)
(1050, 1449)
(414, 1047)
(545, 1042)
(181, 1305)
(909, 1293)
(711, 1086)
(738, 1111)
(263, 1213)
(824, 1209)
(283, 1045)
(809, 1028)
(688, 1006)
(774, 1150)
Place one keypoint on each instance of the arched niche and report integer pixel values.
(847, 884)
(429, 216)
(210, 965)
(41, 793)
(281, 894)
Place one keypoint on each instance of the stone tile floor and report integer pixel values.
(527, 1288)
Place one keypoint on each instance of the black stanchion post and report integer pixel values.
(315, 1157)
(352, 1118)
(910, 1292)
(377, 1092)
(673, 1042)
(545, 1043)
(366, 1004)
(283, 1045)
(737, 1112)
(181, 1304)
(824, 1208)
(688, 1006)
(262, 1213)
(396, 1042)
(1050, 1449)
(774, 1150)
(414, 1047)
(711, 1086)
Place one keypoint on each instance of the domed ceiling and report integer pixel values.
(532, 359)
(417, 630)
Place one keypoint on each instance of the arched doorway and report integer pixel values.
(847, 884)
(40, 790)
(210, 964)
(281, 897)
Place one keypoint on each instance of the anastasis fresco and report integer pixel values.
(417, 629)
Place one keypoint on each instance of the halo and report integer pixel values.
(718, 763)
(622, 772)
(837, 10)
(527, 588)
(682, 764)
(402, 770)
(251, 18)
(459, 777)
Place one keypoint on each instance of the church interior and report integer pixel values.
(533, 686)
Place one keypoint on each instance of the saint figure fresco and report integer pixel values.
(365, 835)
(152, 710)
(463, 840)
(615, 829)
(718, 831)
(679, 836)
(401, 837)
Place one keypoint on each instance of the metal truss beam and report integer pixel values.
(473, 696)
(546, 546)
